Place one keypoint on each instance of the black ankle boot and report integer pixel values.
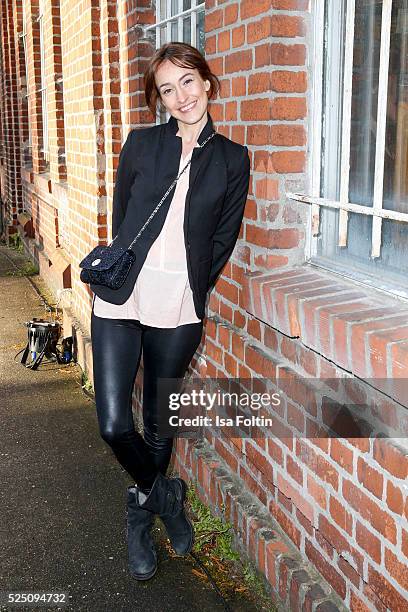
(142, 556)
(166, 499)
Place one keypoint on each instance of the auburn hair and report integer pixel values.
(183, 55)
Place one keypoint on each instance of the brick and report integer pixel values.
(356, 604)
(312, 595)
(287, 26)
(295, 417)
(378, 346)
(326, 569)
(299, 578)
(289, 161)
(340, 542)
(285, 522)
(211, 45)
(273, 551)
(259, 82)
(296, 496)
(370, 511)
(214, 352)
(373, 598)
(359, 335)
(238, 37)
(224, 41)
(230, 13)
(371, 478)
(342, 455)
(349, 572)
(238, 61)
(288, 81)
(283, 239)
(286, 565)
(213, 20)
(368, 542)
(317, 492)
(304, 521)
(391, 458)
(385, 591)
(327, 606)
(287, 109)
(226, 454)
(396, 568)
(262, 55)
(254, 526)
(286, 135)
(259, 361)
(294, 470)
(317, 316)
(258, 30)
(261, 135)
(290, 5)
(284, 501)
(249, 9)
(267, 189)
(404, 545)
(238, 88)
(258, 459)
(317, 463)
(399, 360)
(288, 55)
(394, 498)
(275, 452)
(256, 109)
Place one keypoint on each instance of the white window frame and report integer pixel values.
(169, 20)
(43, 88)
(313, 198)
(23, 36)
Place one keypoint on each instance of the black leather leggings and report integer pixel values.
(116, 349)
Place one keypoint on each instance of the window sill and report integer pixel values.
(42, 181)
(361, 330)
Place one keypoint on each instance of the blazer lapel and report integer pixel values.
(166, 163)
(168, 156)
(198, 157)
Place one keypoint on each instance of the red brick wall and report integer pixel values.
(343, 502)
(10, 138)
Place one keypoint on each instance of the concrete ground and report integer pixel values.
(63, 494)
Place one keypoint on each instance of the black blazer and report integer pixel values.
(215, 202)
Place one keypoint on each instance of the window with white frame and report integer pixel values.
(27, 88)
(178, 21)
(359, 186)
(43, 88)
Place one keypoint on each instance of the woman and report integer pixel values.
(160, 307)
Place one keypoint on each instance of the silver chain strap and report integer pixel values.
(165, 195)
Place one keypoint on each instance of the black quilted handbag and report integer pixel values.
(110, 264)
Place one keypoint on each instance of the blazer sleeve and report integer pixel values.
(125, 175)
(228, 228)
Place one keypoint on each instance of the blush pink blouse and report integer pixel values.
(162, 295)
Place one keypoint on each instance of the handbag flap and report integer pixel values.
(102, 258)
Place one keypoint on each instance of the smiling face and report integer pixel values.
(182, 91)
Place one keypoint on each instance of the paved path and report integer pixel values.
(62, 502)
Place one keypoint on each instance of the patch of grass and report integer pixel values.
(210, 529)
(253, 581)
(86, 384)
(237, 581)
(16, 243)
(28, 269)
